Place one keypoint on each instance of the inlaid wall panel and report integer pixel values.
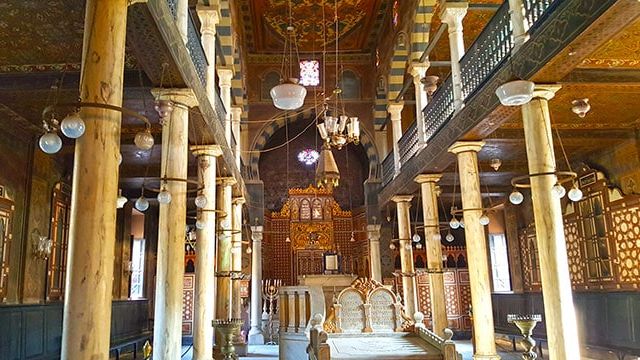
(188, 293)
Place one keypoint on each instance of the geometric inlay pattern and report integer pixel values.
(626, 228)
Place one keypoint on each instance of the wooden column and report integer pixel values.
(236, 117)
(428, 185)
(452, 14)
(167, 329)
(236, 254)
(255, 333)
(467, 153)
(395, 114)
(560, 317)
(92, 231)
(409, 287)
(418, 71)
(519, 23)
(223, 271)
(205, 254)
(209, 17)
(374, 252)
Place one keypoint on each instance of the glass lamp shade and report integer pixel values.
(288, 96)
(201, 201)
(342, 123)
(144, 140)
(72, 126)
(558, 190)
(418, 246)
(484, 220)
(119, 158)
(322, 129)
(462, 223)
(50, 143)
(575, 194)
(331, 123)
(163, 108)
(449, 237)
(164, 197)
(392, 246)
(121, 200)
(516, 197)
(200, 224)
(515, 93)
(249, 251)
(142, 204)
(454, 223)
(416, 238)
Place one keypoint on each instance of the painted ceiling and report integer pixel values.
(265, 24)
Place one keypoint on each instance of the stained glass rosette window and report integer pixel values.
(309, 73)
(308, 156)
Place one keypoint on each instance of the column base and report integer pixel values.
(256, 337)
(486, 357)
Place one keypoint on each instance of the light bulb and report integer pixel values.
(249, 251)
(454, 223)
(484, 220)
(200, 224)
(437, 237)
(575, 194)
(121, 200)
(449, 237)
(201, 201)
(516, 197)
(72, 126)
(50, 143)
(142, 204)
(164, 197)
(144, 140)
(418, 246)
(558, 191)
(392, 246)
(416, 238)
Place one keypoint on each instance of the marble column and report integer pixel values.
(559, 312)
(224, 264)
(209, 17)
(474, 232)
(519, 23)
(236, 117)
(452, 14)
(92, 231)
(205, 254)
(419, 71)
(409, 287)
(428, 187)
(167, 329)
(236, 254)
(395, 113)
(182, 18)
(374, 252)
(381, 143)
(224, 77)
(256, 337)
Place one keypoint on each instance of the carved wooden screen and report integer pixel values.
(6, 217)
(594, 237)
(59, 235)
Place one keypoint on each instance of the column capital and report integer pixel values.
(419, 70)
(256, 233)
(546, 91)
(226, 181)
(209, 17)
(238, 200)
(206, 150)
(427, 178)
(395, 110)
(184, 97)
(373, 230)
(402, 198)
(225, 75)
(236, 112)
(453, 13)
(465, 146)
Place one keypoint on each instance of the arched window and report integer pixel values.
(350, 85)
(270, 80)
(59, 235)
(317, 210)
(305, 210)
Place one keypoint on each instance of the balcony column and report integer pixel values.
(224, 76)
(224, 263)
(559, 311)
(381, 143)
(428, 186)
(395, 113)
(236, 253)
(236, 117)
(419, 71)
(452, 14)
(209, 17)
(256, 337)
(182, 18)
(205, 254)
(167, 332)
(474, 232)
(409, 287)
(519, 23)
(92, 229)
(374, 252)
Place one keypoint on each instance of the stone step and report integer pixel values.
(381, 347)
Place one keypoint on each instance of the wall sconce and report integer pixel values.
(41, 247)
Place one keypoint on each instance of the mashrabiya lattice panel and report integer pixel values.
(626, 230)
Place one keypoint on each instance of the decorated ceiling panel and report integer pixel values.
(621, 51)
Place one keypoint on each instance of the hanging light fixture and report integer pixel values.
(142, 204)
(327, 173)
(164, 196)
(516, 197)
(515, 93)
(201, 201)
(289, 95)
(121, 200)
(580, 107)
(449, 237)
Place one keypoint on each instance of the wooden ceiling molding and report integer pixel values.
(622, 51)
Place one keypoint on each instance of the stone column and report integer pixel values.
(236, 117)
(395, 113)
(467, 153)
(209, 17)
(428, 186)
(223, 296)
(236, 254)
(519, 23)
(381, 143)
(409, 287)
(452, 14)
(167, 329)
(560, 318)
(92, 229)
(205, 254)
(256, 337)
(224, 77)
(182, 18)
(375, 266)
(419, 71)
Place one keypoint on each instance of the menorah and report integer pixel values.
(270, 291)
